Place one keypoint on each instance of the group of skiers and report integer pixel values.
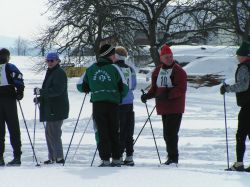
(53, 103)
(111, 82)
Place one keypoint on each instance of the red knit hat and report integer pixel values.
(165, 49)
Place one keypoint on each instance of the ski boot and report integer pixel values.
(115, 163)
(237, 166)
(15, 162)
(129, 161)
(105, 163)
(47, 162)
(2, 163)
(60, 161)
(171, 161)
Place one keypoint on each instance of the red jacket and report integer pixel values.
(169, 99)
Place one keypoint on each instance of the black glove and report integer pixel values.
(223, 89)
(37, 91)
(36, 100)
(85, 87)
(144, 98)
(19, 95)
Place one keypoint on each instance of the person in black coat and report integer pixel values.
(54, 107)
(11, 89)
(241, 88)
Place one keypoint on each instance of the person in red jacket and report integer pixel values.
(168, 87)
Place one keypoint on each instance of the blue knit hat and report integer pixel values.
(52, 56)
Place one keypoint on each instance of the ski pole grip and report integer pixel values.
(142, 91)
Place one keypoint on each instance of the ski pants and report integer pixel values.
(127, 125)
(53, 135)
(105, 115)
(242, 132)
(171, 126)
(8, 115)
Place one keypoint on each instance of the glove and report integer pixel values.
(37, 91)
(223, 89)
(144, 98)
(19, 95)
(36, 100)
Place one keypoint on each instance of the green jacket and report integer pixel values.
(54, 96)
(105, 81)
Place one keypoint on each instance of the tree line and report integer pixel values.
(79, 27)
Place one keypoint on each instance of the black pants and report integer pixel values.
(8, 115)
(127, 125)
(171, 126)
(242, 132)
(106, 119)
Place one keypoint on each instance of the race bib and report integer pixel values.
(163, 79)
(128, 76)
(3, 78)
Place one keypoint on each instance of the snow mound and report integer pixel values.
(224, 65)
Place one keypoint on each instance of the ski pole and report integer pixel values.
(144, 125)
(28, 134)
(82, 137)
(152, 129)
(37, 103)
(34, 132)
(93, 158)
(75, 128)
(225, 117)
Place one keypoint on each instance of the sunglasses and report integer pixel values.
(50, 60)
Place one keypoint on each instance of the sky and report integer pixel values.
(22, 17)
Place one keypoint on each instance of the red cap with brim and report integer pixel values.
(165, 50)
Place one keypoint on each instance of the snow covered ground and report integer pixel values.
(201, 139)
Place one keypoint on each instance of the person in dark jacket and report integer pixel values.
(107, 85)
(11, 89)
(54, 107)
(126, 108)
(168, 87)
(242, 90)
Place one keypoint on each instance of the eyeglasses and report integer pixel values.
(50, 61)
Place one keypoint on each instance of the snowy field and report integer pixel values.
(202, 143)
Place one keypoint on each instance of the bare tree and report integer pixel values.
(169, 21)
(21, 46)
(234, 17)
(80, 25)
(77, 25)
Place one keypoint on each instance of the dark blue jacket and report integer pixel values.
(11, 80)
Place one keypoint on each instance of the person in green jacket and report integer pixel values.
(54, 107)
(108, 86)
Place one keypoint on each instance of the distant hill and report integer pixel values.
(8, 42)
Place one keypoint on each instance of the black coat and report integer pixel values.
(54, 96)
